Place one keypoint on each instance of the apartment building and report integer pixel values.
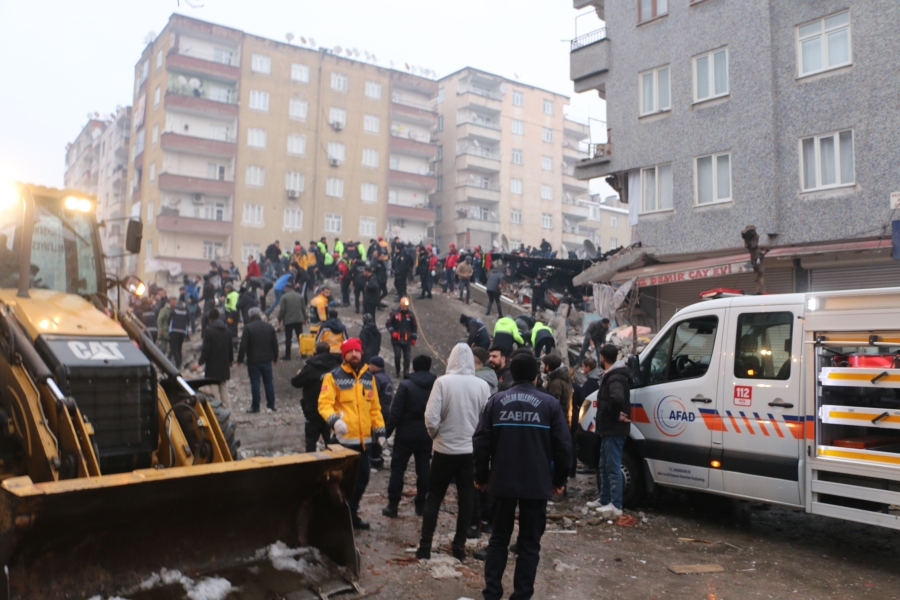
(765, 113)
(505, 165)
(82, 157)
(240, 140)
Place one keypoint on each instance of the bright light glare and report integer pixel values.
(72, 203)
(812, 304)
(140, 289)
(9, 195)
(84, 205)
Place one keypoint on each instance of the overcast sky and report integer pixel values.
(63, 59)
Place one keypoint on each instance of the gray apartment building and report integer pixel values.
(782, 114)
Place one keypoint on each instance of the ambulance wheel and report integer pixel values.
(633, 486)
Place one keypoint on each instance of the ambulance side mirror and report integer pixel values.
(637, 375)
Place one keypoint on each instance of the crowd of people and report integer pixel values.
(499, 423)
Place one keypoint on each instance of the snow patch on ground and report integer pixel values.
(208, 588)
(306, 561)
(443, 567)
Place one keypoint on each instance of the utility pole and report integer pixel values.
(751, 243)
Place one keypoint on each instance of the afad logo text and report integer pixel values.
(672, 417)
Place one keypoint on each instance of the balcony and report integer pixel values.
(466, 224)
(414, 83)
(575, 211)
(175, 223)
(177, 142)
(410, 213)
(404, 145)
(192, 65)
(589, 62)
(412, 180)
(183, 183)
(575, 129)
(474, 193)
(597, 165)
(198, 105)
(415, 114)
(572, 184)
(473, 159)
(191, 266)
(572, 154)
(481, 99)
(482, 131)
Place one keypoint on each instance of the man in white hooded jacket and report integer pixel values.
(451, 416)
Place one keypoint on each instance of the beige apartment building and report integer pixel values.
(506, 155)
(240, 140)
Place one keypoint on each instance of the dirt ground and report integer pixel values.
(765, 552)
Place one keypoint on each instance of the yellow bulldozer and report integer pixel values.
(113, 466)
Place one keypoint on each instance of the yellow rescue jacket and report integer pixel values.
(318, 309)
(354, 395)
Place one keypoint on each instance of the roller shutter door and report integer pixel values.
(675, 296)
(855, 278)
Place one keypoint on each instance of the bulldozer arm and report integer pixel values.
(97, 535)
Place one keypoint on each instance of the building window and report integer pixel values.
(594, 213)
(220, 94)
(256, 176)
(222, 56)
(440, 96)
(656, 188)
(336, 151)
(337, 116)
(713, 178)
(150, 211)
(547, 163)
(440, 125)
(259, 100)
(614, 222)
(440, 153)
(440, 183)
(613, 242)
(711, 75)
(371, 123)
(548, 107)
(212, 250)
(546, 221)
(298, 109)
(547, 135)
(827, 160)
(334, 187)
(152, 172)
(248, 250)
(650, 9)
(159, 56)
(369, 192)
(517, 156)
(367, 226)
(518, 98)
(370, 157)
(294, 181)
(824, 44)
(293, 219)
(215, 171)
(332, 223)
(547, 192)
(253, 214)
(515, 216)
(296, 144)
(256, 138)
(154, 136)
(654, 90)
(518, 127)
(515, 185)
(299, 73)
(373, 90)
(218, 132)
(156, 93)
(395, 162)
(339, 82)
(261, 64)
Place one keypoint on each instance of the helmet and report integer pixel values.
(404, 302)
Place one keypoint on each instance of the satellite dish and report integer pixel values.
(374, 58)
(182, 80)
(368, 56)
(289, 37)
(302, 40)
(407, 66)
(348, 52)
(475, 142)
(563, 251)
(195, 83)
(589, 249)
(516, 75)
(504, 243)
(412, 134)
(338, 49)
(355, 52)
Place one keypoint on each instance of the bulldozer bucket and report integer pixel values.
(98, 535)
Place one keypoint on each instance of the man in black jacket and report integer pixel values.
(370, 338)
(498, 360)
(359, 276)
(477, 333)
(407, 418)
(217, 354)
(613, 425)
(208, 295)
(402, 268)
(539, 288)
(247, 300)
(273, 254)
(371, 292)
(521, 435)
(259, 345)
(309, 378)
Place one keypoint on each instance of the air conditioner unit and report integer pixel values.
(197, 198)
(334, 162)
(293, 194)
(337, 125)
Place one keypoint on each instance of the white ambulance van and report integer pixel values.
(789, 399)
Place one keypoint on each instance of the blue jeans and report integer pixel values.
(255, 371)
(609, 473)
(278, 295)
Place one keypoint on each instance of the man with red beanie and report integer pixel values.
(349, 404)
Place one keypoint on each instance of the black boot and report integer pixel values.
(420, 509)
(423, 552)
(359, 524)
(474, 532)
(458, 553)
(390, 510)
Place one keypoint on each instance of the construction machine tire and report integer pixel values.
(223, 416)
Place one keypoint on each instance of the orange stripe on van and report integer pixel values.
(638, 414)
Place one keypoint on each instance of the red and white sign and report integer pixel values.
(694, 274)
(743, 395)
(895, 200)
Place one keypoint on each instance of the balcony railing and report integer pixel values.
(600, 151)
(482, 92)
(589, 38)
(474, 151)
(204, 92)
(471, 121)
(475, 214)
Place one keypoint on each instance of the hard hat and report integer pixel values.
(404, 302)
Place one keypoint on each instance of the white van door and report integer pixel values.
(680, 374)
(760, 407)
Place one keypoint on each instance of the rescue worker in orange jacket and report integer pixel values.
(349, 403)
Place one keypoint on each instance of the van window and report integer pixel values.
(684, 353)
(763, 346)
